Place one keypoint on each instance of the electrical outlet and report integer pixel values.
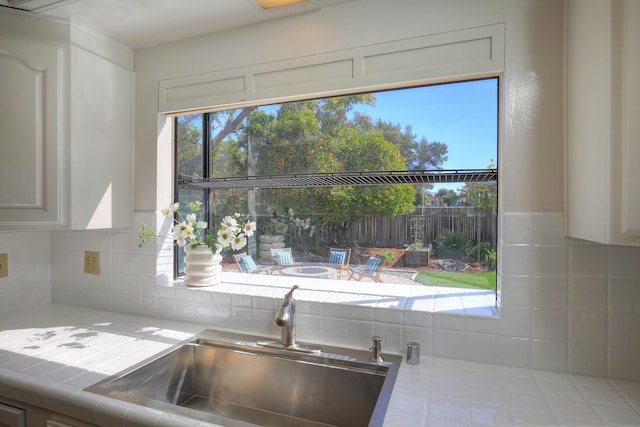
(92, 262)
(4, 265)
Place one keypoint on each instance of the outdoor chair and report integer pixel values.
(340, 258)
(282, 258)
(246, 264)
(372, 269)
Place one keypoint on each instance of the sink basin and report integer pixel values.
(231, 380)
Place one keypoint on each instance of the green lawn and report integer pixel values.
(458, 280)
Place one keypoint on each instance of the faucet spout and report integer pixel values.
(286, 319)
(288, 298)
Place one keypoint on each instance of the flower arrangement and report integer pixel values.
(232, 233)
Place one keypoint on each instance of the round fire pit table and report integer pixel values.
(312, 271)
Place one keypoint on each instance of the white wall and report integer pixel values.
(532, 94)
(29, 261)
(566, 305)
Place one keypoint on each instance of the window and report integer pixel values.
(408, 175)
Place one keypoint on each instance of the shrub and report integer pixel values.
(491, 259)
(455, 245)
(389, 256)
(486, 252)
(417, 246)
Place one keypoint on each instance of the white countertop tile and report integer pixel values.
(48, 355)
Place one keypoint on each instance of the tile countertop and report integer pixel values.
(49, 354)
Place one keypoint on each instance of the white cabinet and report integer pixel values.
(65, 126)
(11, 416)
(603, 121)
(20, 414)
(32, 128)
(101, 149)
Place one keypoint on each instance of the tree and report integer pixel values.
(419, 154)
(484, 195)
(341, 206)
(189, 141)
(305, 137)
(447, 196)
(429, 155)
(318, 136)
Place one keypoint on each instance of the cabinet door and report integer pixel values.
(31, 89)
(631, 119)
(603, 121)
(11, 417)
(101, 98)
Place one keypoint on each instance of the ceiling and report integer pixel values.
(142, 23)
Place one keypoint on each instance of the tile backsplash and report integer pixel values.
(29, 266)
(565, 305)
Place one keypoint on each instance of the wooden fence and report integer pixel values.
(425, 224)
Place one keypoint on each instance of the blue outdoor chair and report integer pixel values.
(340, 258)
(246, 264)
(372, 269)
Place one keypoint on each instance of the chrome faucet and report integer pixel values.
(286, 319)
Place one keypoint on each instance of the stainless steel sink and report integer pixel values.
(228, 379)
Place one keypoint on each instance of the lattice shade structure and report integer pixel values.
(343, 178)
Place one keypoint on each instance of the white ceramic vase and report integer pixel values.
(202, 266)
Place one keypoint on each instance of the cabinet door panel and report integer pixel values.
(22, 122)
(101, 135)
(32, 140)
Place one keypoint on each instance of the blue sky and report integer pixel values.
(462, 115)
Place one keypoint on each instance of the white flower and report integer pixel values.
(249, 228)
(188, 233)
(225, 237)
(230, 222)
(238, 242)
(233, 230)
(171, 209)
(182, 231)
(176, 231)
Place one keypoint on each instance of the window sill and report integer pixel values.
(468, 302)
